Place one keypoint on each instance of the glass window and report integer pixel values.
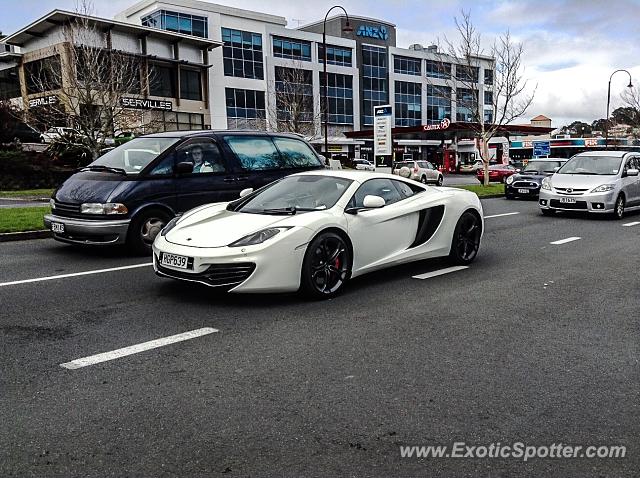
(408, 105)
(467, 73)
(43, 75)
(336, 55)
(296, 154)
(375, 88)
(292, 49)
(204, 154)
(466, 104)
(162, 81)
(177, 22)
(9, 83)
(242, 54)
(488, 97)
(438, 103)
(135, 155)
(164, 167)
(339, 97)
(255, 153)
(404, 189)
(438, 69)
(294, 94)
(407, 66)
(488, 77)
(245, 104)
(190, 87)
(376, 187)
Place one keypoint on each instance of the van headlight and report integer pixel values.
(258, 237)
(546, 184)
(103, 209)
(604, 188)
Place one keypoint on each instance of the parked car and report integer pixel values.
(313, 231)
(363, 165)
(55, 133)
(596, 182)
(422, 171)
(128, 195)
(470, 167)
(498, 173)
(527, 182)
(119, 138)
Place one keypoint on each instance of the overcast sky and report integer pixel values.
(571, 47)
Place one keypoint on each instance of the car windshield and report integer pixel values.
(297, 193)
(592, 165)
(133, 156)
(542, 166)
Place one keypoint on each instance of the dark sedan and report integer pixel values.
(527, 182)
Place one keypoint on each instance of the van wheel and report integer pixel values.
(143, 230)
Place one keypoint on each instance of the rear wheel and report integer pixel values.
(466, 239)
(143, 230)
(440, 180)
(423, 180)
(326, 266)
(618, 211)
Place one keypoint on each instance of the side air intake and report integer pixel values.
(428, 223)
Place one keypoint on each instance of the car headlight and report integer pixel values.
(107, 209)
(509, 179)
(170, 225)
(52, 203)
(604, 188)
(258, 237)
(546, 184)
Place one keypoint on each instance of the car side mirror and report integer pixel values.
(184, 167)
(632, 172)
(373, 202)
(246, 192)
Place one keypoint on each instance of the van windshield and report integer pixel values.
(135, 155)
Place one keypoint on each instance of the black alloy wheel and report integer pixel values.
(618, 211)
(326, 266)
(466, 239)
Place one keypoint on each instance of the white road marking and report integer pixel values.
(75, 274)
(440, 272)
(629, 224)
(501, 215)
(134, 349)
(564, 241)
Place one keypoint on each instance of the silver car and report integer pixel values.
(595, 181)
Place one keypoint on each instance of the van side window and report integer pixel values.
(204, 154)
(255, 153)
(164, 167)
(295, 153)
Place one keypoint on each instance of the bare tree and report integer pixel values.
(508, 87)
(88, 80)
(292, 107)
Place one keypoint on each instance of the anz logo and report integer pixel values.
(379, 33)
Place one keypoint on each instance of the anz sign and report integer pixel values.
(367, 31)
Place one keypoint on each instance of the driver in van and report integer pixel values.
(200, 165)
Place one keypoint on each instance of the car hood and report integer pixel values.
(580, 181)
(530, 177)
(88, 187)
(213, 226)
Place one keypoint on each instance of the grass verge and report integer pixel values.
(20, 219)
(482, 191)
(27, 193)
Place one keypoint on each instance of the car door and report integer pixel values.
(378, 234)
(631, 184)
(211, 180)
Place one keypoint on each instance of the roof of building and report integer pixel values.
(351, 17)
(55, 18)
(541, 118)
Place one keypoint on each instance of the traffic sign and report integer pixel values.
(541, 148)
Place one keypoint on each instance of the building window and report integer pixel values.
(245, 109)
(466, 104)
(438, 103)
(177, 22)
(173, 121)
(488, 77)
(375, 88)
(339, 97)
(291, 49)
(488, 98)
(9, 83)
(488, 116)
(438, 69)
(336, 55)
(43, 75)
(467, 73)
(190, 85)
(407, 66)
(242, 54)
(294, 94)
(163, 80)
(408, 103)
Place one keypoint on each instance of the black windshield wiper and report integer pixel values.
(291, 209)
(100, 167)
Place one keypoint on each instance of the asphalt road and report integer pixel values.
(535, 343)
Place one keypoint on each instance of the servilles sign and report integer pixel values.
(144, 104)
(367, 31)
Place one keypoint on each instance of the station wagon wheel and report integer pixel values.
(440, 180)
(466, 239)
(618, 211)
(423, 180)
(326, 266)
(144, 228)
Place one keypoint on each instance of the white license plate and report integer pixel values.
(523, 191)
(173, 260)
(568, 200)
(57, 227)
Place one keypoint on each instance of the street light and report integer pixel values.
(606, 120)
(346, 29)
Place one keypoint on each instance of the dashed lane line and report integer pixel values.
(564, 241)
(440, 272)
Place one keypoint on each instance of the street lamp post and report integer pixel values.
(347, 29)
(606, 120)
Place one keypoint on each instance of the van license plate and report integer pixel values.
(568, 200)
(57, 227)
(173, 260)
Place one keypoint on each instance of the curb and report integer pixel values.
(24, 236)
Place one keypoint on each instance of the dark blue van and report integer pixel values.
(127, 195)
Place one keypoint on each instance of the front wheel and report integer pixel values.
(618, 211)
(143, 230)
(326, 266)
(440, 180)
(466, 239)
(423, 180)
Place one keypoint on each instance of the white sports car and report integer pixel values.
(313, 231)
